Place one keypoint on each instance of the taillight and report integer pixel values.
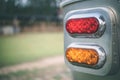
(82, 25)
(82, 56)
(86, 55)
(91, 41)
(85, 25)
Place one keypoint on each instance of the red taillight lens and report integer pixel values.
(82, 25)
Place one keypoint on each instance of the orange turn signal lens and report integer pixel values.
(82, 56)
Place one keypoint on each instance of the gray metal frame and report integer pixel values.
(109, 41)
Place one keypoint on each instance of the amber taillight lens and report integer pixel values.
(82, 56)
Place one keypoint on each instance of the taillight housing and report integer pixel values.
(85, 25)
(91, 41)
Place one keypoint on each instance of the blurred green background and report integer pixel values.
(31, 31)
(30, 46)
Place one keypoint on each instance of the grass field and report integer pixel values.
(29, 47)
(58, 72)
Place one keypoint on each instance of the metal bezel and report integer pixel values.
(98, 16)
(100, 51)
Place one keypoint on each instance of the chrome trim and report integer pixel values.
(100, 18)
(66, 2)
(100, 51)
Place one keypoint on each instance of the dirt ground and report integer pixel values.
(52, 68)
